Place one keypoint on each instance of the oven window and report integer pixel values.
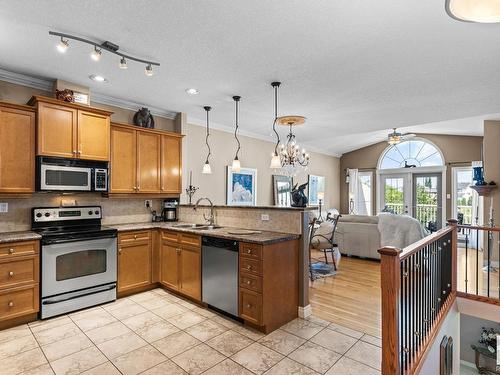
(81, 263)
(66, 178)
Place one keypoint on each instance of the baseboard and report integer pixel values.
(305, 312)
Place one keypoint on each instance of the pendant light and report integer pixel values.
(275, 159)
(236, 167)
(206, 167)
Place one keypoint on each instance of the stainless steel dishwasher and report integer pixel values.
(220, 274)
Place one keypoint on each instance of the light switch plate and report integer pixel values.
(264, 217)
(4, 207)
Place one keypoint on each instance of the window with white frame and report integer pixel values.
(360, 192)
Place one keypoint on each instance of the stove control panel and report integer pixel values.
(66, 213)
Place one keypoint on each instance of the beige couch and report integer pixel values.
(358, 235)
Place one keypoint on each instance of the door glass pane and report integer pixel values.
(427, 199)
(464, 196)
(364, 198)
(80, 263)
(394, 195)
(66, 178)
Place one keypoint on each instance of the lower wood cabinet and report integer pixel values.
(19, 282)
(180, 263)
(134, 260)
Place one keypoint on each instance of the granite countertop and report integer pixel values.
(19, 236)
(263, 237)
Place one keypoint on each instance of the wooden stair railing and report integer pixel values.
(419, 286)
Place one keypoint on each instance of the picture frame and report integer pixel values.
(241, 187)
(283, 186)
(316, 189)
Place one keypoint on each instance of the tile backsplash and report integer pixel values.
(115, 211)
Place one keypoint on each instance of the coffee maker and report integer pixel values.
(169, 211)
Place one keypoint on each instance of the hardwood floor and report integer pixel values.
(350, 298)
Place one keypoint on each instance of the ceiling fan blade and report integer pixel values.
(409, 135)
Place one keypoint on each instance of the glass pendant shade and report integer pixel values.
(236, 167)
(275, 162)
(207, 169)
(482, 11)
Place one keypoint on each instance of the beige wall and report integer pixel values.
(254, 154)
(457, 150)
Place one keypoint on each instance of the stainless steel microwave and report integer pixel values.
(57, 174)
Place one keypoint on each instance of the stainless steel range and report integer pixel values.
(78, 258)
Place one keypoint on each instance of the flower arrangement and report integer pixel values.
(489, 339)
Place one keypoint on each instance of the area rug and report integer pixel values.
(321, 269)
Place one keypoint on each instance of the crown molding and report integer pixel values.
(47, 84)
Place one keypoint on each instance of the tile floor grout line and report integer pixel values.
(40, 347)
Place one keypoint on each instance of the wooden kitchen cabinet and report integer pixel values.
(134, 260)
(71, 130)
(171, 165)
(180, 266)
(19, 282)
(123, 164)
(144, 161)
(17, 149)
(148, 162)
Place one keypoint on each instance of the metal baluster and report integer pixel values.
(412, 307)
(477, 261)
(401, 319)
(466, 256)
(405, 265)
(488, 264)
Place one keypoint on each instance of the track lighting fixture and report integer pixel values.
(236, 166)
(63, 45)
(96, 54)
(99, 47)
(207, 169)
(123, 63)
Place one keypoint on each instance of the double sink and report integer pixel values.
(197, 226)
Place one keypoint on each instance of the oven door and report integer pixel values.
(58, 177)
(72, 266)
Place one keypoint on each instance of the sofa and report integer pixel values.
(363, 236)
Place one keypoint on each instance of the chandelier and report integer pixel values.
(287, 159)
(293, 159)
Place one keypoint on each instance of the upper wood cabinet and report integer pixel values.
(17, 149)
(171, 166)
(71, 130)
(144, 161)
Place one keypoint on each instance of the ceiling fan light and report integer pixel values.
(482, 11)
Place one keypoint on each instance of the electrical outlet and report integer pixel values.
(148, 203)
(264, 217)
(4, 207)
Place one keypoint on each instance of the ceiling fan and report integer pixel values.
(396, 137)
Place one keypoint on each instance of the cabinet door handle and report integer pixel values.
(249, 267)
(135, 236)
(11, 250)
(11, 273)
(248, 282)
(79, 152)
(249, 306)
(74, 152)
(119, 251)
(249, 251)
(11, 303)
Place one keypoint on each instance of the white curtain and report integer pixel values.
(352, 202)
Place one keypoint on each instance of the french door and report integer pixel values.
(415, 194)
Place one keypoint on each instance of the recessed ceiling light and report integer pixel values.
(192, 91)
(98, 78)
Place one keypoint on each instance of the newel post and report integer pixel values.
(390, 271)
(454, 243)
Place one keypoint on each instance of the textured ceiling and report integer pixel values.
(354, 68)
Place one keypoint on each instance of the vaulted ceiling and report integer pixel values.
(354, 68)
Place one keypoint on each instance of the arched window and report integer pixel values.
(417, 152)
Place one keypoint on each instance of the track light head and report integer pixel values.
(149, 70)
(63, 45)
(96, 54)
(123, 63)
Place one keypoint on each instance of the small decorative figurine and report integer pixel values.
(299, 199)
(65, 95)
(144, 118)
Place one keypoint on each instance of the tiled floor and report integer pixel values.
(158, 333)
